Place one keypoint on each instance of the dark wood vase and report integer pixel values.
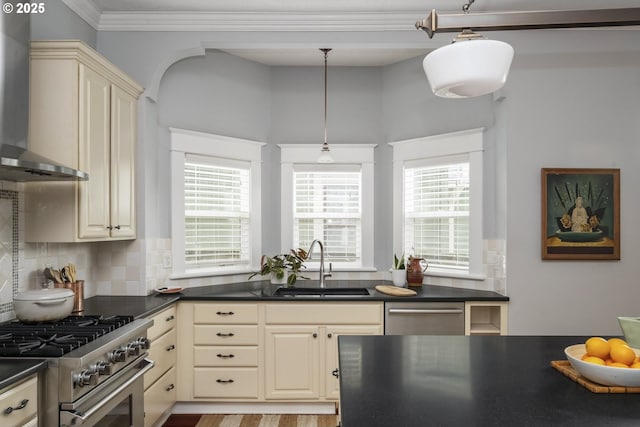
(415, 270)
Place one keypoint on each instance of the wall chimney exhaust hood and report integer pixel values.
(16, 162)
(19, 164)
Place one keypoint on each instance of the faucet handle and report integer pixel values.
(330, 270)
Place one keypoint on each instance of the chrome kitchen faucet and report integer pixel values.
(323, 276)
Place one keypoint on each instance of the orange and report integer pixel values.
(623, 354)
(619, 365)
(636, 365)
(616, 341)
(598, 347)
(593, 359)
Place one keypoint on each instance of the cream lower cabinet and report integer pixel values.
(485, 317)
(160, 381)
(301, 346)
(82, 114)
(219, 357)
(22, 398)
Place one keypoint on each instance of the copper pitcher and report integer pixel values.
(415, 270)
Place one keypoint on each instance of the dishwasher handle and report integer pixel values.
(425, 311)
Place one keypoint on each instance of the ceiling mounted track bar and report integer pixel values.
(505, 21)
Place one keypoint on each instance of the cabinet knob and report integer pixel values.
(329, 335)
(315, 335)
(22, 405)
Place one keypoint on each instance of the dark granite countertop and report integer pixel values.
(14, 370)
(411, 381)
(143, 306)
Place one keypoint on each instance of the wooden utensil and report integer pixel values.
(396, 291)
(71, 273)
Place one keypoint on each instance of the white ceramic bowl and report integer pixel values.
(45, 305)
(606, 375)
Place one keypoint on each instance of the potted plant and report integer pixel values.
(283, 268)
(398, 273)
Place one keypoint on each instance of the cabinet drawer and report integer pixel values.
(225, 335)
(324, 314)
(159, 397)
(225, 313)
(226, 382)
(218, 356)
(13, 396)
(163, 352)
(162, 322)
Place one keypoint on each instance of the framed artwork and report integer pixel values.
(581, 214)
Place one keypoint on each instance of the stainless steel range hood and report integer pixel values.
(16, 162)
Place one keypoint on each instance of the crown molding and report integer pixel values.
(86, 10)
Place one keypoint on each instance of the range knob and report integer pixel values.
(102, 368)
(133, 349)
(86, 377)
(144, 343)
(117, 355)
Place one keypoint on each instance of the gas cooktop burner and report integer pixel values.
(54, 339)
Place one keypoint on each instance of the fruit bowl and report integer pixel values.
(606, 375)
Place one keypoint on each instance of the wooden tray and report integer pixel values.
(565, 367)
(396, 291)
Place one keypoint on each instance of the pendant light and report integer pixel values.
(474, 66)
(325, 152)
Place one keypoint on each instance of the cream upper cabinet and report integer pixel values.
(83, 114)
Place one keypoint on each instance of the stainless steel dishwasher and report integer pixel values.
(424, 318)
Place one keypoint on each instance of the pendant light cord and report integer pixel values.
(325, 51)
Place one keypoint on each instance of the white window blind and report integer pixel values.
(217, 212)
(327, 205)
(437, 212)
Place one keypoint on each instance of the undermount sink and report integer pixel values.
(319, 292)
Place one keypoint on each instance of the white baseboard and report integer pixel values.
(254, 408)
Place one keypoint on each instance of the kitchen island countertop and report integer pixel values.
(411, 381)
(14, 370)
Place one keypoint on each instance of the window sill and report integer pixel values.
(342, 269)
(451, 275)
(197, 274)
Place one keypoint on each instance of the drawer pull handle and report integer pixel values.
(170, 387)
(22, 405)
(225, 313)
(170, 318)
(224, 381)
(221, 334)
(226, 356)
(335, 373)
(171, 347)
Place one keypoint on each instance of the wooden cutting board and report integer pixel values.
(396, 291)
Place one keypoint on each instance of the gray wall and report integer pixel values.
(58, 22)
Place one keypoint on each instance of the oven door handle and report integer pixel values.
(81, 418)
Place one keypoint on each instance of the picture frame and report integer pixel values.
(580, 214)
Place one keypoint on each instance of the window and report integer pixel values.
(327, 202)
(215, 205)
(438, 202)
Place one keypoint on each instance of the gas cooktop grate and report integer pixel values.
(54, 339)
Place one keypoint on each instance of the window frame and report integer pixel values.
(345, 154)
(227, 150)
(440, 149)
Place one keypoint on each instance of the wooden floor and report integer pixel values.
(253, 420)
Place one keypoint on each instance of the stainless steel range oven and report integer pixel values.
(95, 368)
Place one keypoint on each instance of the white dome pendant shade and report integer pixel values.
(468, 68)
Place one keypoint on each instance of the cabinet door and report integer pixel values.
(291, 362)
(332, 383)
(123, 146)
(94, 155)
